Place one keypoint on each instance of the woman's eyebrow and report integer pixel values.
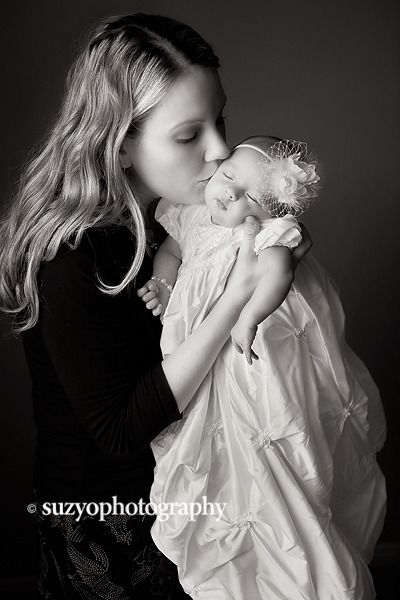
(197, 120)
(186, 122)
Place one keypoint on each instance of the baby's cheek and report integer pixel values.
(210, 188)
(242, 211)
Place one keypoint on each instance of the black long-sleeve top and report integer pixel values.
(100, 394)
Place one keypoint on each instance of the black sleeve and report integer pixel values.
(105, 359)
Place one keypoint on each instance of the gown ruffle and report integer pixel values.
(288, 443)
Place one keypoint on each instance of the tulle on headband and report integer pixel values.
(288, 184)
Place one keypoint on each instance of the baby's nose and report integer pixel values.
(230, 194)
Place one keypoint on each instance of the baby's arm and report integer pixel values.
(275, 263)
(166, 263)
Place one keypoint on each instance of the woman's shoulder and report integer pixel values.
(107, 249)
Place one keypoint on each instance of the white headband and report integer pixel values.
(253, 148)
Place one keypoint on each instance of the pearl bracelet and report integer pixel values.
(163, 281)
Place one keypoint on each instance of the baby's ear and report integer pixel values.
(124, 158)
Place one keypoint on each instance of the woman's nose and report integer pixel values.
(216, 149)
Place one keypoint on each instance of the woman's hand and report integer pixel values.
(301, 250)
(242, 336)
(245, 275)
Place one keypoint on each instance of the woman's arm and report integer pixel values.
(275, 265)
(302, 249)
(186, 368)
(103, 351)
(100, 353)
(106, 359)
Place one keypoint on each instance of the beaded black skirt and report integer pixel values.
(90, 559)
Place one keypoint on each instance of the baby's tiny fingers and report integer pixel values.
(142, 291)
(151, 304)
(149, 296)
(157, 310)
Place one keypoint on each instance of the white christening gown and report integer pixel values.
(288, 443)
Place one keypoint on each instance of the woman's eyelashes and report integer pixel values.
(220, 122)
(187, 140)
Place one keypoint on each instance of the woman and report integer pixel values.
(142, 118)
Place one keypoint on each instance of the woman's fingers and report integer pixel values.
(299, 252)
(237, 347)
(249, 354)
(246, 259)
(251, 227)
(242, 279)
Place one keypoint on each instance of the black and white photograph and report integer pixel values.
(199, 300)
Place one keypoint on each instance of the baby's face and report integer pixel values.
(231, 194)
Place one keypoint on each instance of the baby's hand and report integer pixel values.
(150, 293)
(242, 336)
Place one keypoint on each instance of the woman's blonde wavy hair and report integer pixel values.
(76, 180)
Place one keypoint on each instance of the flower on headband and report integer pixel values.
(290, 178)
(289, 183)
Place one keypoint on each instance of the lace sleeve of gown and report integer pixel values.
(170, 217)
(279, 231)
(177, 219)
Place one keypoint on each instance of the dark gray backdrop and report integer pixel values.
(321, 71)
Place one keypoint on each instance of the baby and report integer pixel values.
(237, 190)
(281, 440)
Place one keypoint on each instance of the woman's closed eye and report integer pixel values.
(227, 175)
(186, 140)
(220, 122)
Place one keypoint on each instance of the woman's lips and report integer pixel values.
(203, 183)
(207, 179)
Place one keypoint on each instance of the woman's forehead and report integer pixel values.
(196, 95)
